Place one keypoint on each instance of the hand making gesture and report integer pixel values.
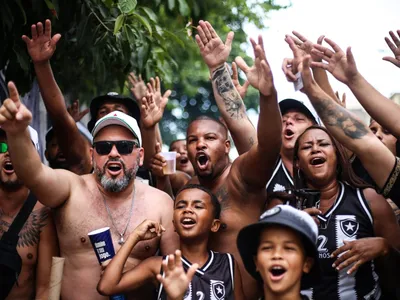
(14, 116)
(341, 65)
(259, 75)
(242, 89)
(138, 87)
(42, 46)
(212, 49)
(395, 47)
(176, 281)
(148, 230)
(153, 104)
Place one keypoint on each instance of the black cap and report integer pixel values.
(133, 108)
(287, 216)
(289, 104)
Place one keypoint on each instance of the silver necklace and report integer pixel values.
(121, 240)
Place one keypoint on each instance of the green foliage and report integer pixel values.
(103, 40)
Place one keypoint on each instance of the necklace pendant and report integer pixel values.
(121, 240)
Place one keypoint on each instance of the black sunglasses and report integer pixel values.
(123, 147)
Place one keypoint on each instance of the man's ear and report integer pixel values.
(46, 154)
(308, 264)
(227, 146)
(215, 225)
(141, 155)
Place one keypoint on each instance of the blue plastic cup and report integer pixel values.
(103, 247)
(102, 244)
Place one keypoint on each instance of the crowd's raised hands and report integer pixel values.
(242, 89)
(395, 47)
(259, 75)
(14, 116)
(137, 86)
(212, 49)
(341, 65)
(153, 104)
(42, 45)
(75, 111)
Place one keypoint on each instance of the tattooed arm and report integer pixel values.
(230, 104)
(343, 68)
(349, 130)
(254, 168)
(48, 247)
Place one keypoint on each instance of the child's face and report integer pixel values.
(194, 214)
(281, 260)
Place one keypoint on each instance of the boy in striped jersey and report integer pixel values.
(196, 216)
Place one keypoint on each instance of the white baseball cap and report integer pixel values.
(121, 119)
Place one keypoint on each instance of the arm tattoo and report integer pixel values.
(225, 88)
(30, 233)
(251, 141)
(336, 116)
(222, 196)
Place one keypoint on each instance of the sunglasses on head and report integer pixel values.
(123, 147)
(3, 147)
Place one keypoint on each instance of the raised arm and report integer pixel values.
(51, 187)
(151, 110)
(41, 48)
(343, 67)
(254, 168)
(113, 280)
(395, 47)
(231, 106)
(349, 130)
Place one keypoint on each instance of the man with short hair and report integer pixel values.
(109, 197)
(37, 243)
(296, 118)
(239, 186)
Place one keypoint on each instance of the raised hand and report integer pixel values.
(175, 280)
(138, 87)
(158, 162)
(300, 47)
(259, 75)
(212, 49)
(342, 100)
(42, 46)
(75, 111)
(153, 105)
(14, 116)
(357, 252)
(342, 66)
(310, 86)
(242, 89)
(148, 230)
(395, 47)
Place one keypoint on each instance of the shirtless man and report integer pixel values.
(240, 186)
(36, 244)
(108, 197)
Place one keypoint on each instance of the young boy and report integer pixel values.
(196, 216)
(280, 251)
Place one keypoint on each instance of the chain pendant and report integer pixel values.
(121, 240)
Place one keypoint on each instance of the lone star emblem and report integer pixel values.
(217, 290)
(349, 227)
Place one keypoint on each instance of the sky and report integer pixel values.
(361, 24)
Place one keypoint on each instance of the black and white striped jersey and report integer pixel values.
(213, 281)
(280, 179)
(349, 219)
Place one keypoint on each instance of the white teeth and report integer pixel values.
(277, 268)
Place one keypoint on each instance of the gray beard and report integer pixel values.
(115, 185)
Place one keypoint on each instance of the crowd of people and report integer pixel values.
(308, 210)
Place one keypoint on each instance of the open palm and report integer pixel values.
(42, 46)
(212, 49)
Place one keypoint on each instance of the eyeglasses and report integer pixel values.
(123, 147)
(3, 147)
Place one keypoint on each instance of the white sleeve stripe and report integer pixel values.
(275, 171)
(363, 204)
(231, 269)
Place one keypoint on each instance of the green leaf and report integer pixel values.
(127, 6)
(108, 3)
(144, 21)
(171, 4)
(118, 23)
(174, 37)
(143, 55)
(183, 8)
(129, 35)
(152, 16)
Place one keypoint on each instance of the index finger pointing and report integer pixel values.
(13, 92)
